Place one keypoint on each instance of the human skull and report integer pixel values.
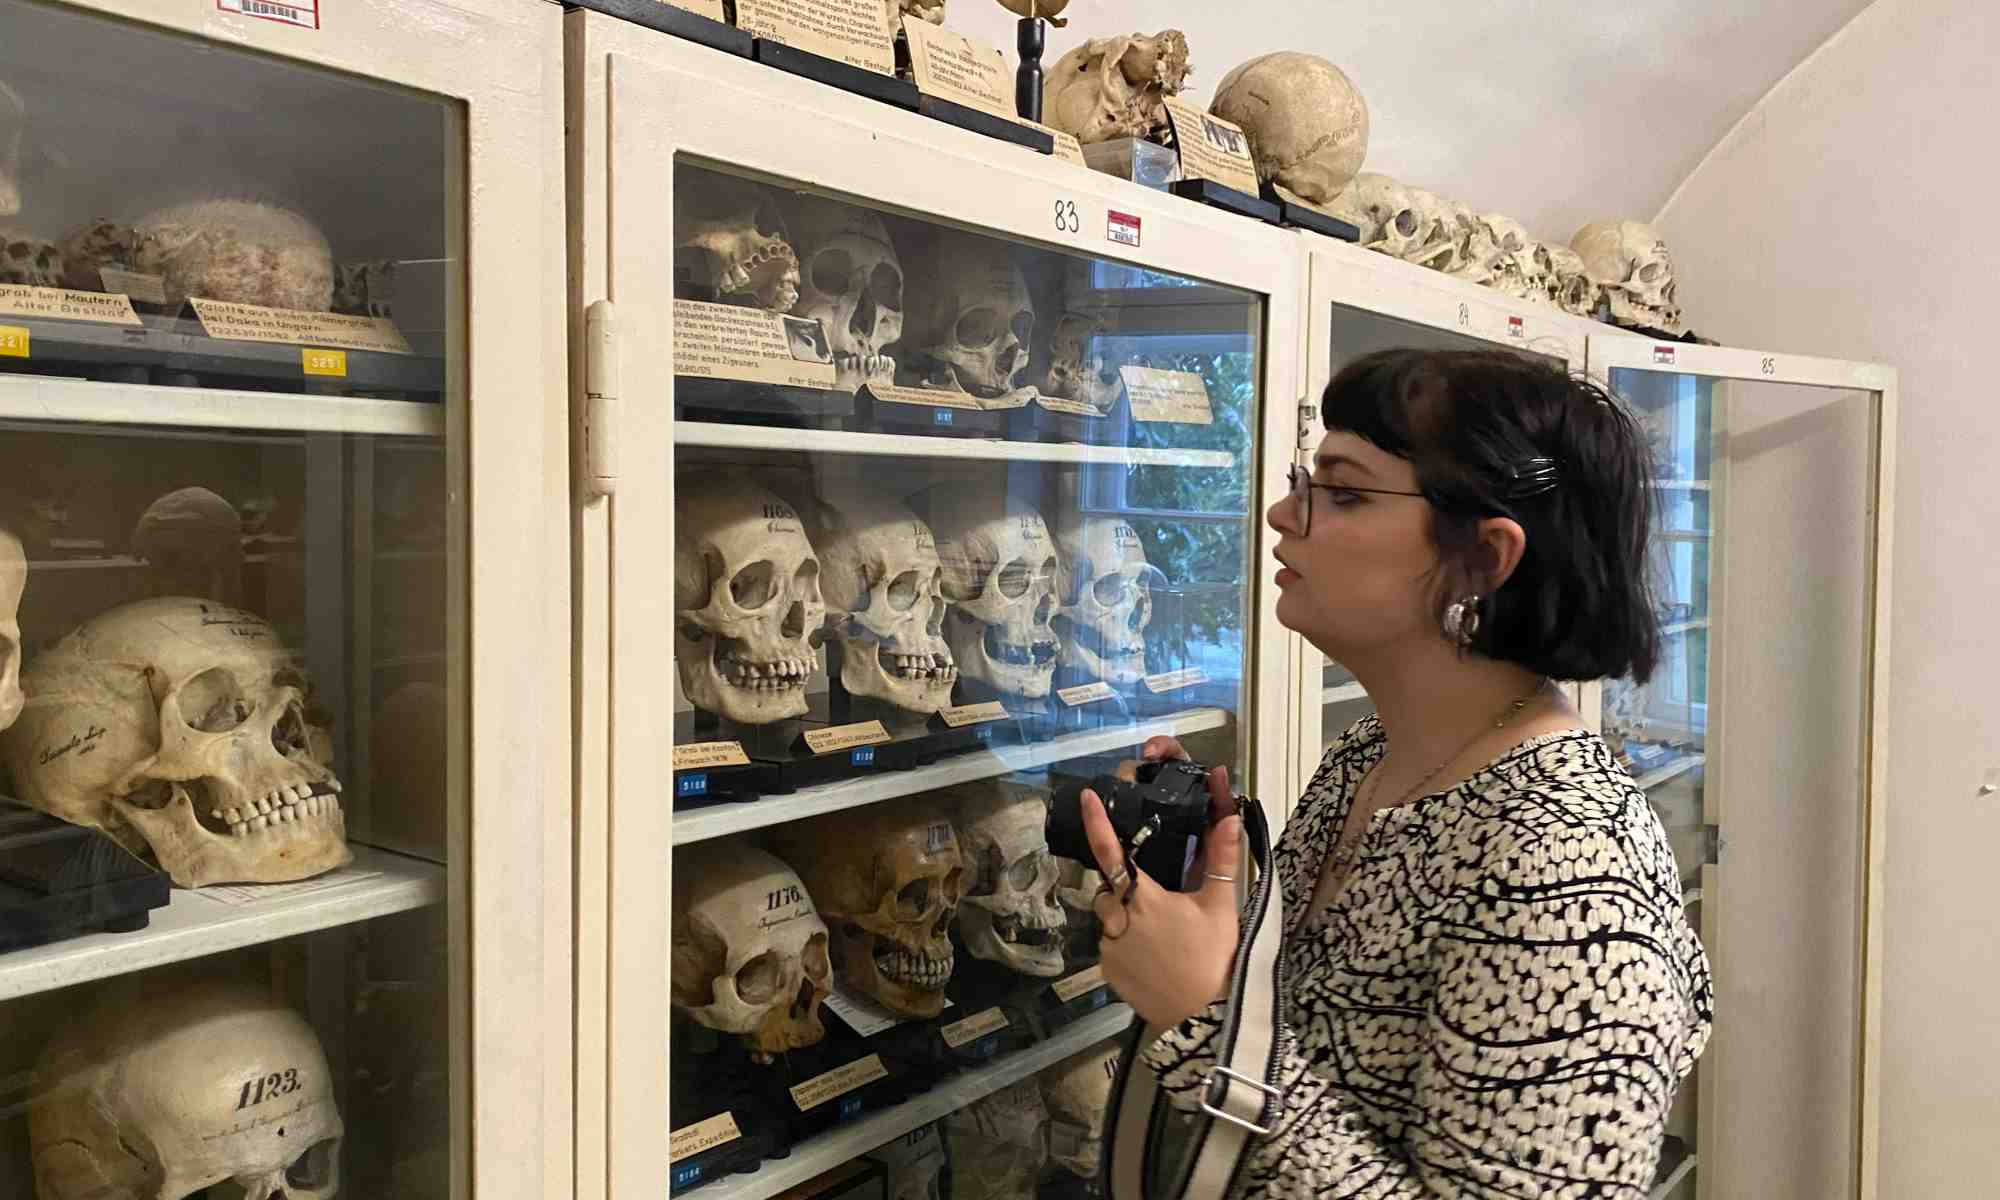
(999, 1144)
(204, 1087)
(1476, 248)
(88, 250)
(192, 541)
(1070, 376)
(852, 285)
(13, 130)
(1440, 251)
(1010, 914)
(13, 581)
(887, 879)
(25, 258)
(178, 726)
(1045, 9)
(750, 954)
(1306, 122)
(1629, 261)
(884, 589)
(730, 243)
(1106, 590)
(747, 599)
(1000, 576)
(1077, 1090)
(1076, 891)
(1114, 87)
(241, 251)
(1388, 215)
(1570, 286)
(970, 317)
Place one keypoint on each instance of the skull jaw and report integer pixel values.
(980, 927)
(969, 638)
(863, 673)
(1116, 658)
(858, 962)
(193, 857)
(1627, 309)
(707, 688)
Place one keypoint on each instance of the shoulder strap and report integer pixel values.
(1241, 1099)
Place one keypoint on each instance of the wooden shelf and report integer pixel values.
(195, 923)
(844, 1142)
(724, 819)
(1342, 693)
(759, 437)
(67, 402)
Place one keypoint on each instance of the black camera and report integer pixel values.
(1154, 816)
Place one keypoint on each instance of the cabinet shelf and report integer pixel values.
(843, 1142)
(760, 437)
(1673, 1173)
(1671, 771)
(724, 819)
(1342, 693)
(195, 924)
(71, 401)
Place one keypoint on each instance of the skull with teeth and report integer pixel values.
(730, 244)
(1629, 261)
(1076, 891)
(1009, 914)
(747, 600)
(1570, 286)
(885, 591)
(887, 879)
(852, 285)
(749, 953)
(27, 259)
(202, 1087)
(1389, 215)
(178, 726)
(970, 317)
(1116, 87)
(1107, 598)
(1000, 576)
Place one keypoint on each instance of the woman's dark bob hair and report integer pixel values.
(1580, 603)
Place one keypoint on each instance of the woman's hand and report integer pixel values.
(1168, 954)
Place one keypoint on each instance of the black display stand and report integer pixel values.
(919, 738)
(1054, 1012)
(859, 80)
(712, 1073)
(1213, 194)
(732, 402)
(1030, 39)
(840, 1048)
(1298, 216)
(59, 881)
(1037, 424)
(927, 420)
(668, 19)
(953, 113)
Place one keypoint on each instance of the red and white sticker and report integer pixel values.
(1122, 228)
(302, 13)
(1516, 327)
(1663, 355)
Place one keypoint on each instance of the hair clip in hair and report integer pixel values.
(1531, 477)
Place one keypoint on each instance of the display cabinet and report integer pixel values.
(1762, 742)
(284, 844)
(926, 474)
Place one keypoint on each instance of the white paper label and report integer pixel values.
(846, 737)
(973, 714)
(696, 755)
(238, 895)
(953, 67)
(1162, 395)
(1173, 681)
(61, 304)
(1069, 988)
(838, 1082)
(974, 1027)
(1211, 148)
(855, 32)
(719, 1130)
(1085, 693)
(230, 322)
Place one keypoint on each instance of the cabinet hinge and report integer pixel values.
(1308, 413)
(599, 432)
(1712, 845)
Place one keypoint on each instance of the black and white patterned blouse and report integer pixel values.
(1499, 1002)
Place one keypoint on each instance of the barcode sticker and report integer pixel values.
(302, 13)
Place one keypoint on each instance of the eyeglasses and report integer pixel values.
(1302, 494)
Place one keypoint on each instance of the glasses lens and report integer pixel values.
(1302, 499)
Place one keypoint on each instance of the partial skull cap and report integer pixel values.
(186, 508)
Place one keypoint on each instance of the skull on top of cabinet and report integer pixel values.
(1106, 598)
(1000, 576)
(1115, 87)
(1629, 261)
(178, 727)
(750, 953)
(884, 588)
(970, 319)
(164, 1090)
(1305, 120)
(851, 282)
(747, 599)
(731, 245)
(1010, 914)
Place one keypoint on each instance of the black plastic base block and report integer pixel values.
(953, 113)
(59, 881)
(1298, 216)
(941, 420)
(668, 19)
(729, 402)
(1213, 194)
(859, 80)
(700, 787)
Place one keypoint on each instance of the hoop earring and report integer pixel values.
(1461, 621)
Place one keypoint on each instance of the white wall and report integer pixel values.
(1851, 214)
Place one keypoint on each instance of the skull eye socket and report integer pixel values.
(914, 899)
(313, 1169)
(885, 287)
(805, 580)
(1023, 326)
(1014, 579)
(903, 591)
(1650, 273)
(757, 980)
(978, 328)
(1021, 876)
(213, 702)
(1112, 589)
(833, 271)
(1405, 222)
(751, 587)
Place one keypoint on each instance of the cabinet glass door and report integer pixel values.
(1759, 742)
(237, 726)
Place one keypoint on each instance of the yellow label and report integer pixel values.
(696, 755)
(953, 67)
(61, 304)
(1210, 147)
(324, 362)
(253, 323)
(846, 737)
(838, 1082)
(973, 714)
(1076, 985)
(855, 32)
(974, 1027)
(13, 341)
(1086, 693)
(718, 1130)
(1173, 681)
(1162, 395)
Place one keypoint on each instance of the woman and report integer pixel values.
(1492, 988)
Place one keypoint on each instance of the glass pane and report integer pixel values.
(972, 600)
(223, 467)
(1754, 725)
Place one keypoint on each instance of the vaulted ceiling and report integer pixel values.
(1556, 112)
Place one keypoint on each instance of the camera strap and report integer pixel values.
(1152, 1151)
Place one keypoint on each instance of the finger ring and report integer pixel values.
(1223, 878)
(1113, 882)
